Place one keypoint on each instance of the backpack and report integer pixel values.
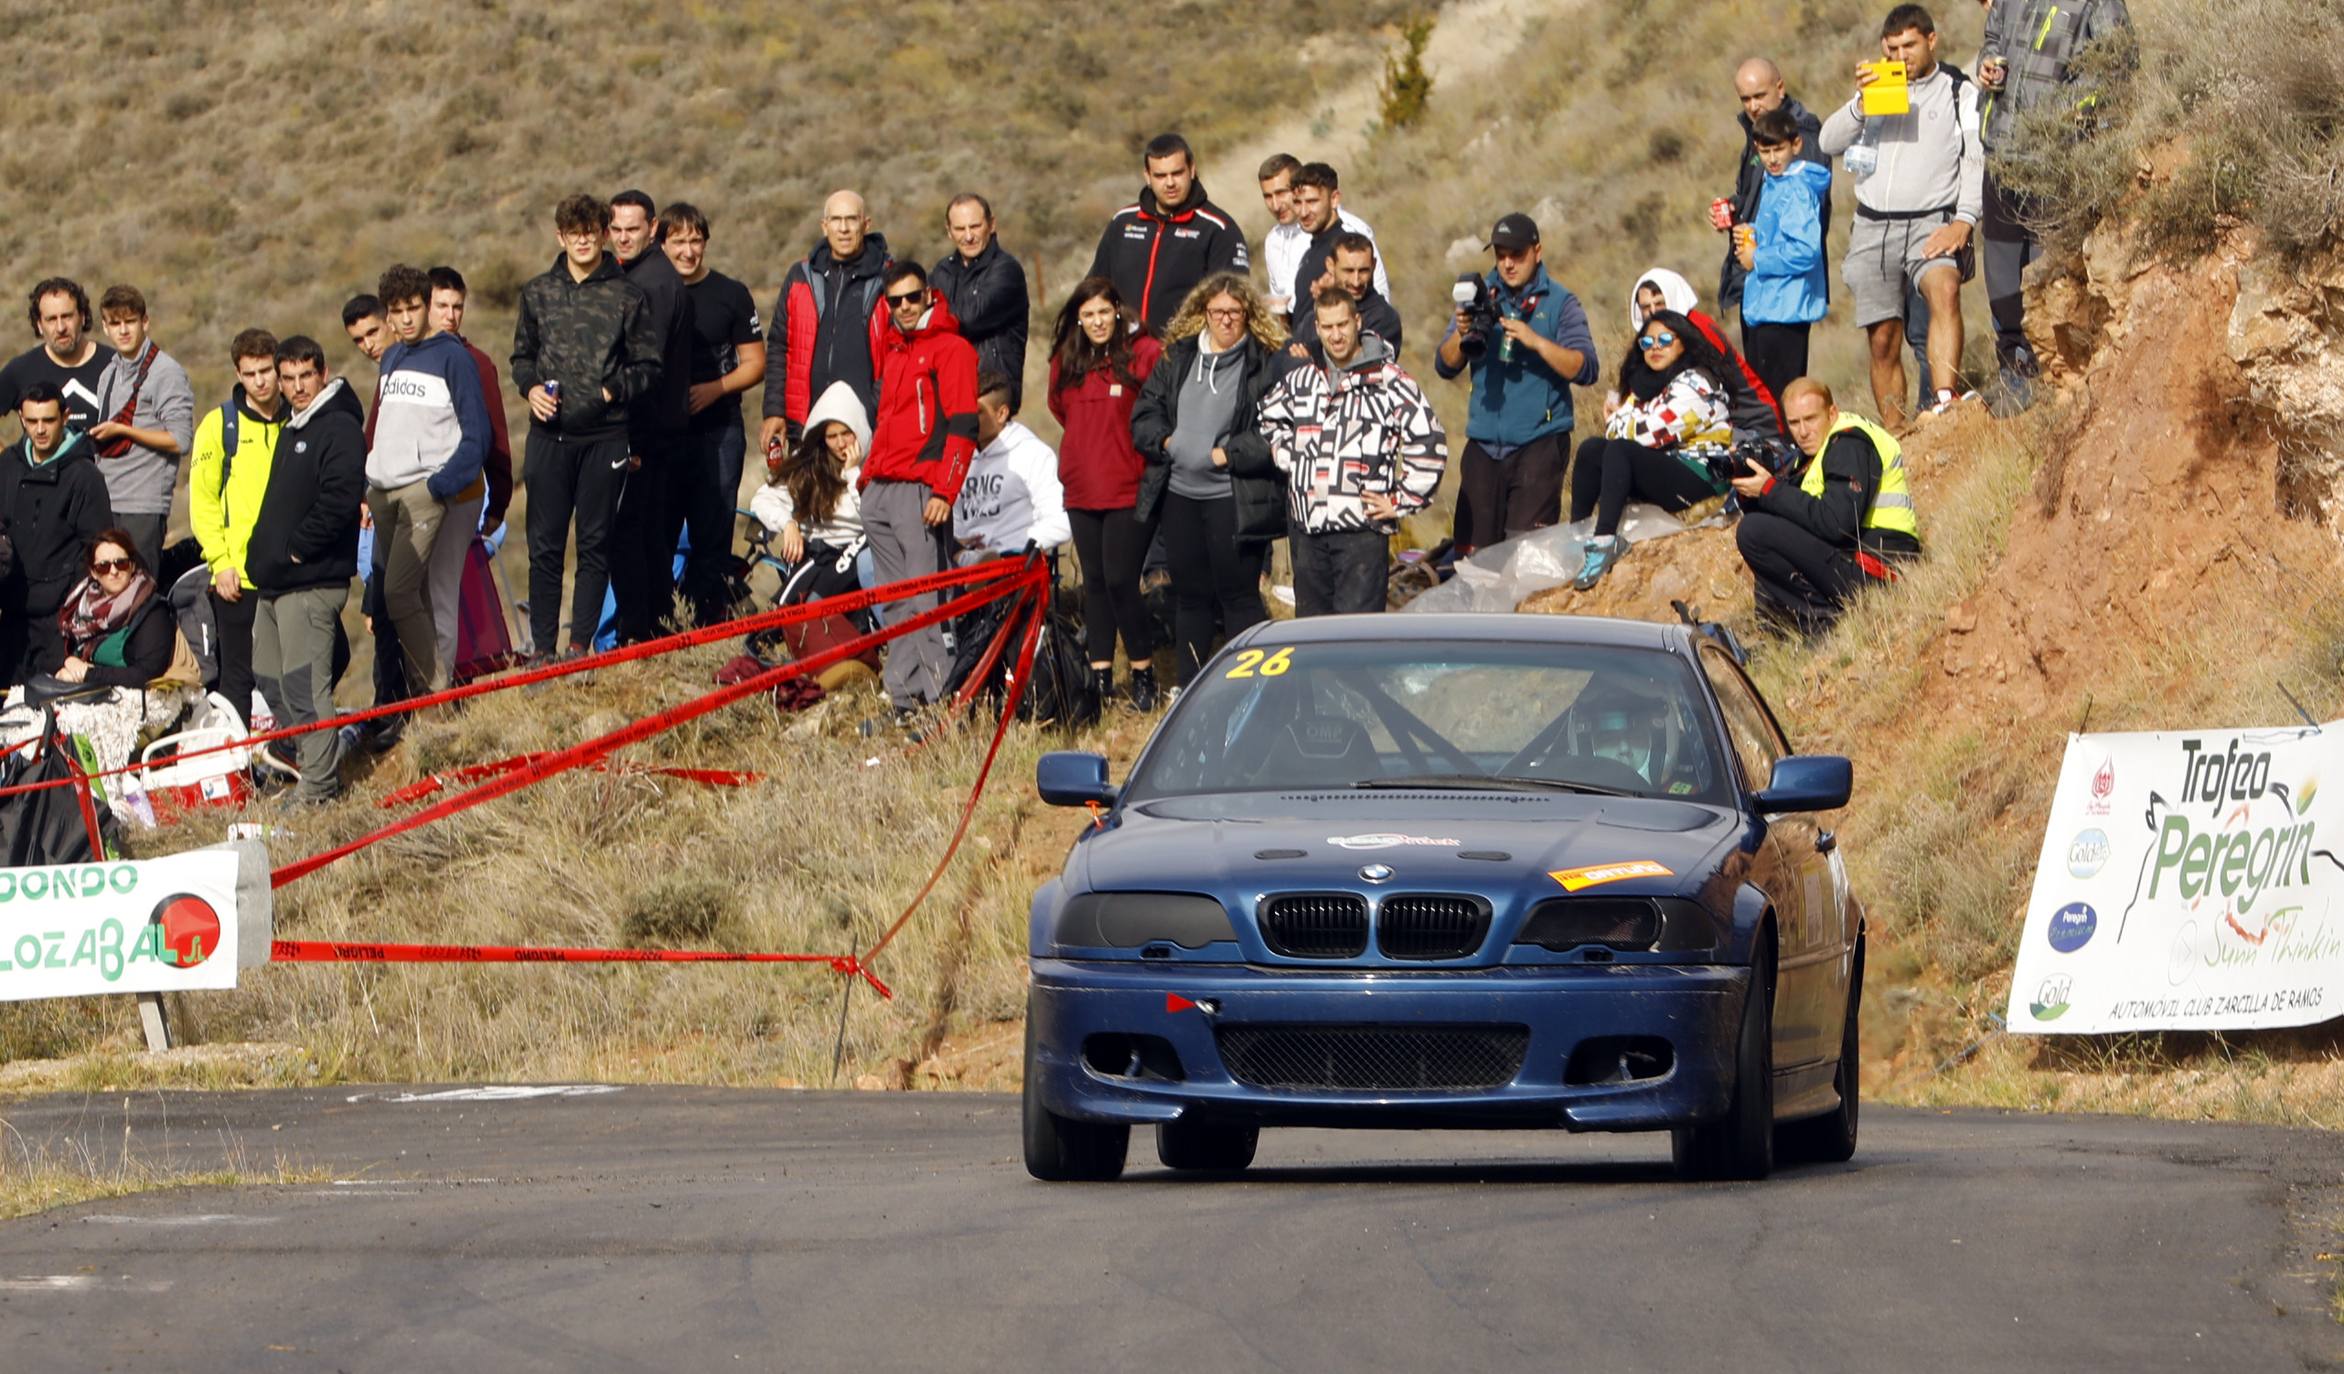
(1059, 693)
(191, 606)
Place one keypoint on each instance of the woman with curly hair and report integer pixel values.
(1099, 359)
(1210, 480)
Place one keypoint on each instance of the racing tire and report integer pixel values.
(1739, 1144)
(1060, 1149)
(1205, 1148)
(1831, 1137)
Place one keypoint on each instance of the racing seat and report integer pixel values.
(1321, 751)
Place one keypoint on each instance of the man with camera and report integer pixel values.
(1811, 542)
(1526, 342)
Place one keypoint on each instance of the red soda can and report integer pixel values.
(1721, 213)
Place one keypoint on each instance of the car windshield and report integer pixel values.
(1440, 715)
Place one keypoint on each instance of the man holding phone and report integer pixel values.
(1917, 211)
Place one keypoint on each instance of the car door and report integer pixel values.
(1793, 869)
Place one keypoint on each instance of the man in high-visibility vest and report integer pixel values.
(1846, 520)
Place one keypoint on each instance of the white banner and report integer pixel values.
(157, 925)
(2188, 881)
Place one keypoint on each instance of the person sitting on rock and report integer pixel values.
(1846, 520)
(1675, 413)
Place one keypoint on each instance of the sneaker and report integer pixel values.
(1601, 555)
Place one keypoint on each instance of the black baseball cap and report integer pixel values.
(1514, 233)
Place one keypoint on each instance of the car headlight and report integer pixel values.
(1668, 924)
(1128, 920)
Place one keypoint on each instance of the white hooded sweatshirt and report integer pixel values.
(773, 506)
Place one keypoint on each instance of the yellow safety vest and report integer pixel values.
(1892, 506)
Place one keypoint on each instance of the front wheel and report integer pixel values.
(1206, 1148)
(1740, 1144)
(1061, 1149)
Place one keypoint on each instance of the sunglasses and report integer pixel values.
(907, 298)
(1661, 340)
(111, 565)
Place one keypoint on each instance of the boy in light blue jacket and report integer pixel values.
(1783, 252)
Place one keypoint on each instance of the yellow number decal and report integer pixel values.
(1245, 664)
(1278, 662)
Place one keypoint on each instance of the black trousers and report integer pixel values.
(232, 630)
(1215, 579)
(1611, 471)
(1111, 545)
(570, 481)
(700, 502)
(2009, 246)
(1777, 353)
(1514, 495)
(1339, 572)
(1800, 577)
(642, 543)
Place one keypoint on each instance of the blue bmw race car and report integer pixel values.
(1450, 871)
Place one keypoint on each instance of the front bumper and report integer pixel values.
(1694, 1009)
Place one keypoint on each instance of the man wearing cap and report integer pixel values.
(1518, 425)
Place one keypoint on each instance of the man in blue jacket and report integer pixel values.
(1518, 427)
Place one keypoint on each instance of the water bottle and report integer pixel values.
(1863, 156)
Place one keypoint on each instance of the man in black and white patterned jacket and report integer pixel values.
(1361, 448)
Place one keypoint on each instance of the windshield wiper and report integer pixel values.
(1489, 782)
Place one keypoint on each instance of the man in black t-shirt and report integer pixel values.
(728, 357)
(67, 356)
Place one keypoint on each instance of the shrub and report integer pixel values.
(1407, 86)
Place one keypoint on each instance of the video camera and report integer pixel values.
(1479, 305)
(1775, 454)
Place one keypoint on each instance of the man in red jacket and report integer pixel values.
(921, 445)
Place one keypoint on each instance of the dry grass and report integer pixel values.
(38, 1175)
(817, 861)
(2251, 91)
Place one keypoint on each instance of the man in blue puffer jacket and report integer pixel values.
(1786, 290)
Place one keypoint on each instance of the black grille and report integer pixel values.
(1374, 1058)
(1416, 927)
(1316, 927)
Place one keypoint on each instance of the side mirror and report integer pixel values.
(1807, 782)
(1067, 778)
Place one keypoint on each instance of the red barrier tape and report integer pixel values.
(473, 772)
(1029, 580)
(1001, 576)
(367, 952)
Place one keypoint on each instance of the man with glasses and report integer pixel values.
(921, 445)
(1518, 428)
(828, 323)
(583, 347)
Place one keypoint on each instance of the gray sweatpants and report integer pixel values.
(902, 546)
(406, 527)
(444, 574)
(293, 664)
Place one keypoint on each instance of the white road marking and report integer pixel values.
(191, 1219)
(82, 1283)
(504, 1093)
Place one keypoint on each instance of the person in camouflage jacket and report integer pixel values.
(1360, 447)
(583, 347)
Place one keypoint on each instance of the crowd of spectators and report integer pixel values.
(1206, 414)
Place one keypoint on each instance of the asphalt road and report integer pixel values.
(671, 1229)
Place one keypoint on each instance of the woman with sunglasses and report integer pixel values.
(119, 633)
(1099, 359)
(1675, 411)
(1210, 479)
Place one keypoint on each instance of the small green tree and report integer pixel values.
(1407, 86)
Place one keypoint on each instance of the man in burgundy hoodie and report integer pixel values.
(921, 445)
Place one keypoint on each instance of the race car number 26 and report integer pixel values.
(1257, 661)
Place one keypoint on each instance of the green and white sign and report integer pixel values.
(2188, 881)
(157, 925)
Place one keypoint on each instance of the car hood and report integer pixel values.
(1241, 845)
